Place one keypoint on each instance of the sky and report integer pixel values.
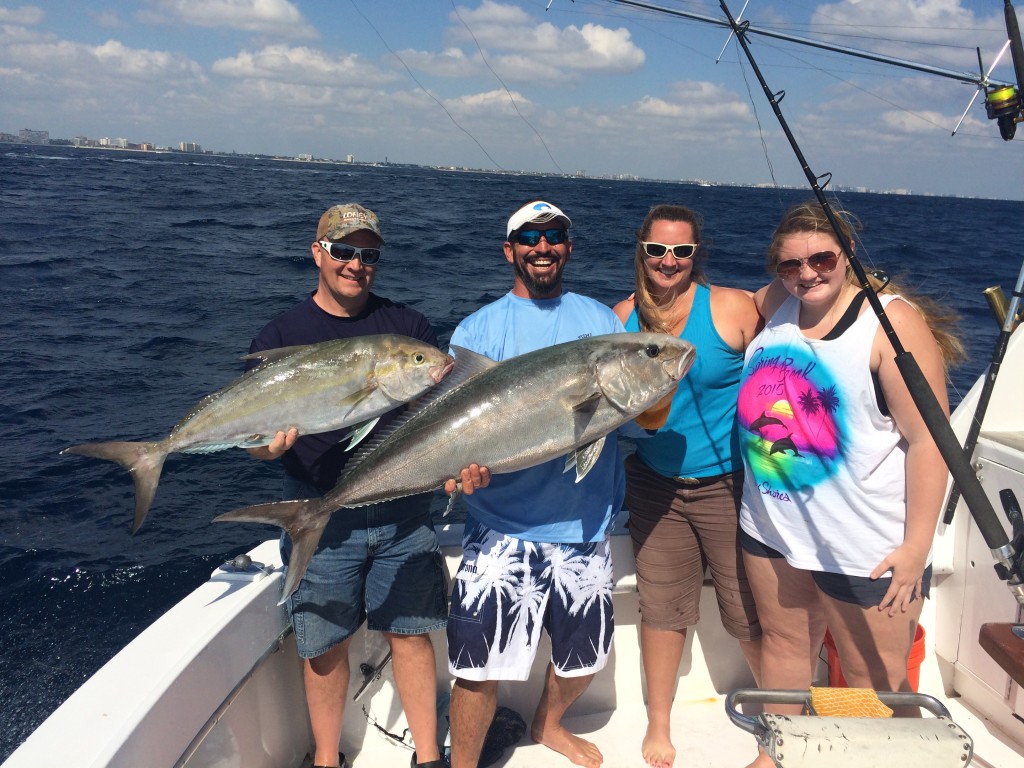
(590, 86)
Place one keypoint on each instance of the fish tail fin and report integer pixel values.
(144, 460)
(304, 523)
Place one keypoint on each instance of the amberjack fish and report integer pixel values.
(557, 401)
(313, 388)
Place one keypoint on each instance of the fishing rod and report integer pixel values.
(1008, 317)
(1009, 566)
(1008, 115)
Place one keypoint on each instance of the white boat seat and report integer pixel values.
(810, 741)
(1013, 439)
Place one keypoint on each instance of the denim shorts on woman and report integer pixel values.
(380, 564)
(859, 590)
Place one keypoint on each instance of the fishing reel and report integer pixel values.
(1003, 104)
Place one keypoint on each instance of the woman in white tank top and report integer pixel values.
(841, 496)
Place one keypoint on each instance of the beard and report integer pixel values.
(546, 286)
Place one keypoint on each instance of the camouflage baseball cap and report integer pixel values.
(341, 220)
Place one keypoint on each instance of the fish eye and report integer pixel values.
(652, 350)
(418, 357)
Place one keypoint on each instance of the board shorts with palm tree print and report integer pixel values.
(508, 590)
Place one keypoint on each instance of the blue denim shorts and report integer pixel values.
(380, 564)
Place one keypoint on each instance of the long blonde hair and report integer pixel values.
(810, 217)
(652, 315)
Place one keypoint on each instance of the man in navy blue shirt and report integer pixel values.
(398, 587)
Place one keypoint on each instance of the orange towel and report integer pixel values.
(847, 702)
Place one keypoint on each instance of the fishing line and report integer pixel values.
(760, 131)
(424, 89)
(768, 160)
(394, 738)
(507, 91)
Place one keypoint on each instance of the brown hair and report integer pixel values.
(810, 217)
(651, 315)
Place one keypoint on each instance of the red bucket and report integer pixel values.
(914, 661)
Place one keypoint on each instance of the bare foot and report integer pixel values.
(657, 748)
(762, 761)
(579, 751)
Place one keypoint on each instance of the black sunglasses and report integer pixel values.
(343, 252)
(531, 237)
(822, 262)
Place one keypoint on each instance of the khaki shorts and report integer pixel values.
(678, 529)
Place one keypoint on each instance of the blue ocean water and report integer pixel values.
(131, 284)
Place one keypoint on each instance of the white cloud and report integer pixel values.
(489, 104)
(280, 18)
(450, 62)
(912, 123)
(521, 48)
(26, 15)
(946, 31)
(62, 62)
(303, 66)
(693, 103)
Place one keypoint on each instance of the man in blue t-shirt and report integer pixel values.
(536, 550)
(364, 551)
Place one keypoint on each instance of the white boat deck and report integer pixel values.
(216, 682)
(130, 715)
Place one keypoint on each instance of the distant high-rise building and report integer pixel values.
(28, 136)
(189, 146)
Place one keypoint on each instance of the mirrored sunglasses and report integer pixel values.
(531, 237)
(822, 262)
(343, 252)
(659, 250)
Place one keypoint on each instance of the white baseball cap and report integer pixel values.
(537, 212)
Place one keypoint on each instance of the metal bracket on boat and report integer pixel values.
(371, 673)
(242, 568)
(806, 741)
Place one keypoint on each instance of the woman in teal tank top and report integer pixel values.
(684, 483)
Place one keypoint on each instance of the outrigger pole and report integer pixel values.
(1008, 562)
(952, 74)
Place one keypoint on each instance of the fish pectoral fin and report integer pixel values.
(359, 395)
(360, 431)
(582, 413)
(570, 462)
(586, 457)
(451, 500)
(254, 440)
